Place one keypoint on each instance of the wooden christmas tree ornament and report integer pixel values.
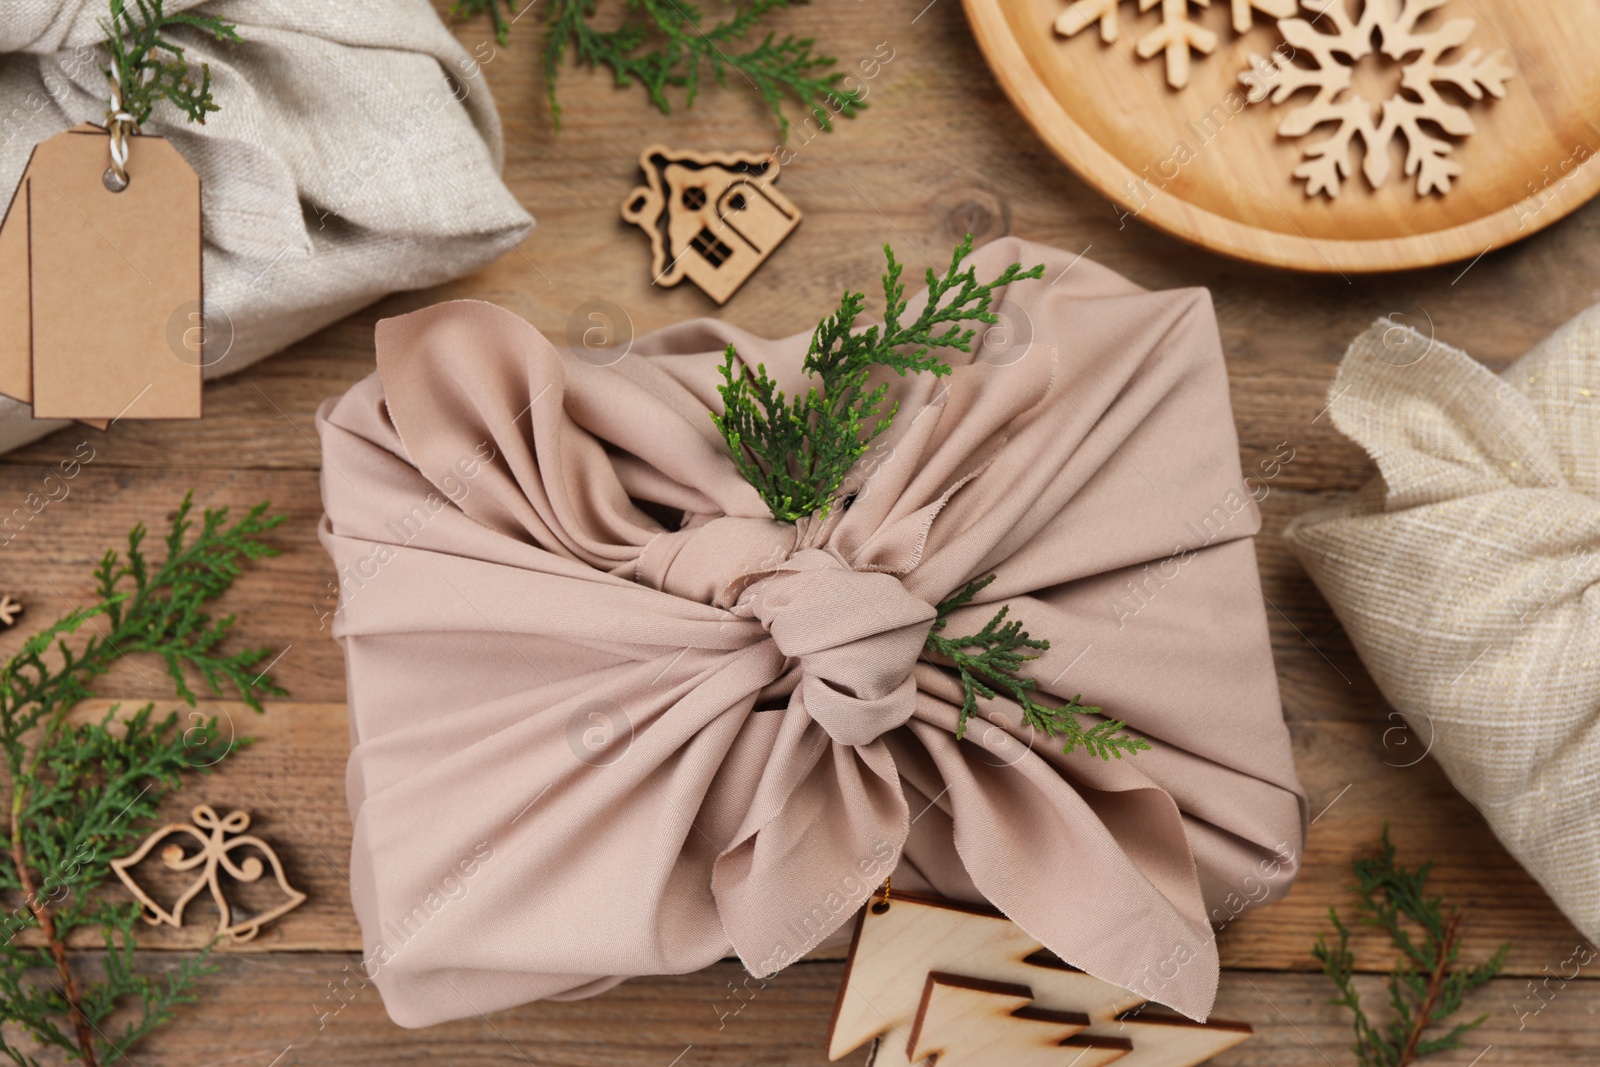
(713, 218)
(933, 981)
(969, 1020)
(216, 855)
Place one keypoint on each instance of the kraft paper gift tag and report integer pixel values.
(16, 323)
(97, 287)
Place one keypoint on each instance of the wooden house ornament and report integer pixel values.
(713, 218)
(935, 982)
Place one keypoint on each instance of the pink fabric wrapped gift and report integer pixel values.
(609, 718)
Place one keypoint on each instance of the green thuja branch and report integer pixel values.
(80, 793)
(1427, 986)
(463, 9)
(667, 45)
(796, 452)
(149, 66)
(988, 662)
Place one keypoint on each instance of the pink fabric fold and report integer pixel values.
(592, 738)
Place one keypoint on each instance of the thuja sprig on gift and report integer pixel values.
(988, 662)
(797, 451)
(668, 45)
(81, 792)
(1429, 983)
(147, 65)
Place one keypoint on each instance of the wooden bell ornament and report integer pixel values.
(219, 847)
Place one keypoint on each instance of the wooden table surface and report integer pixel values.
(938, 153)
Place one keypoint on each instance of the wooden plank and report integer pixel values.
(262, 418)
(1295, 1026)
(47, 558)
(315, 1008)
(292, 780)
(53, 531)
(1356, 784)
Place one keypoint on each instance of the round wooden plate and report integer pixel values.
(1204, 165)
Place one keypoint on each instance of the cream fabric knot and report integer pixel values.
(856, 635)
(713, 562)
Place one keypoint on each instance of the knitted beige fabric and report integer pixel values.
(1466, 575)
(356, 152)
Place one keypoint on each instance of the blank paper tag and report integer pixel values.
(16, 320)
(16, 296)
(107, 274)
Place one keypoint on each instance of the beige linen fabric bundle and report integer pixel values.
(1466, 575)
(590, 741)
(357, 152)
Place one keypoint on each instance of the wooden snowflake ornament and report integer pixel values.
(1415, 107)
(9, 610)
(1176, 35)
(933, 981)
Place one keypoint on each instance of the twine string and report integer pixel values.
(119, 124)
